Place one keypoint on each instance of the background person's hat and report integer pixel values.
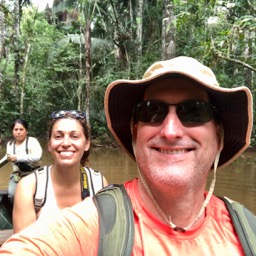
(234, 105)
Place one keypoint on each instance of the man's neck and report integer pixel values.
(173, 207)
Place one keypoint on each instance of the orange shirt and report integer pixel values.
(75, 232)
(215, 236)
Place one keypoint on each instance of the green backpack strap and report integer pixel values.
(116, 221)
(244, 222)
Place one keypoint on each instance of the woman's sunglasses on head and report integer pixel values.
(190, 113)
(77, 114)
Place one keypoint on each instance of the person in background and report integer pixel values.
(178, 125)
(69, 145)
(24, 152)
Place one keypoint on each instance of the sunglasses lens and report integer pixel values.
(195, 112)
(63, 113)
(190, 112)
(77, 114)
(58, 114)
(151, 111)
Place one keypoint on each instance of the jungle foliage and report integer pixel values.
(65, 56)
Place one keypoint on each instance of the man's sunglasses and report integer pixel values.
(77, 114)
(190, 113)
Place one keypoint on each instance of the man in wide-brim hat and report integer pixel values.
(178, 125)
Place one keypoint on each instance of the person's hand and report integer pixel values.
(11, 157)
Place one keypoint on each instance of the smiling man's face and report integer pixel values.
(169, 153)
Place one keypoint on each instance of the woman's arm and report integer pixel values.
(105, 183)
(23, 209)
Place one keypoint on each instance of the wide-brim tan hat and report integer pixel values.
(234, 104)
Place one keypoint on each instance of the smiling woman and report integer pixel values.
(67, 181)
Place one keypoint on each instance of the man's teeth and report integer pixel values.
(177, 151)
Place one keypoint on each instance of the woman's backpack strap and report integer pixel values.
(244, 222)
(116, 221)
(95, 180)
(41, 187)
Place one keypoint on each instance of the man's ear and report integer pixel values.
(134, 127)
(134, 136)
(220, 132)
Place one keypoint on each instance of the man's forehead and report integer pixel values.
(181, 86)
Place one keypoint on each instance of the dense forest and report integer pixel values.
(65, 56)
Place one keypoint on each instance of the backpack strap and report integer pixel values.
(41, 187)
(116, 221)
(95, 180)
(91, 182)
(244, 223)
(27, 144)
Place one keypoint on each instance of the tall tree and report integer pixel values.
(168, 31)
(139, 26)
(16, 25)
(2, 36)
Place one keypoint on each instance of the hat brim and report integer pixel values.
(234, 106)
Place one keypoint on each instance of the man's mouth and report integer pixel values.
(173, 152)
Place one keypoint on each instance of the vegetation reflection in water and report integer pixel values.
(236, 181)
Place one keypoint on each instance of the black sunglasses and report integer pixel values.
(190, 113)
(77, 114)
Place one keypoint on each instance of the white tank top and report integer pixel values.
(50, 207)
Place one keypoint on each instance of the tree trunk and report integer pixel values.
(139, 26)
(88, 68)
(2, 34)
(16, 24)
(2, 31)
(120, 39)
(168, 31)
(23, 79)
(247, 53)
(80, 95)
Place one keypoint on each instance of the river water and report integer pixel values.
(237, 181)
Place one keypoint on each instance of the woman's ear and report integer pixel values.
(87, 145)
(49, 146)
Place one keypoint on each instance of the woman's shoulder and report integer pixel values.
(31, 138)
(28, 179)
(10, 143)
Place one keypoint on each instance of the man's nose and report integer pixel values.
(172, 126)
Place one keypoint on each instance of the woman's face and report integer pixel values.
(19, 132)
(67, 142)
